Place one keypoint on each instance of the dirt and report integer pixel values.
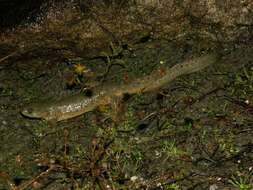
(195, 133)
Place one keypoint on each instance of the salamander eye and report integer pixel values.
(28, 111)
(88, 92)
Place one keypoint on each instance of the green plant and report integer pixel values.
(173, 186)
(171, 149)
(114, 52)
(241, 182)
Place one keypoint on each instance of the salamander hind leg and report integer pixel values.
(114, 110)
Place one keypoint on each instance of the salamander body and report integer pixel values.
(79, 104)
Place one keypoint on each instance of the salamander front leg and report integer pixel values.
(115, 109)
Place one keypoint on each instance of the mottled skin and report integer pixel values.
(76, 105)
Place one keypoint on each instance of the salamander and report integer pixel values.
(75, 105)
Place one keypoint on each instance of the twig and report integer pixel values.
(8, 56)
(28, 183)
(6, 178)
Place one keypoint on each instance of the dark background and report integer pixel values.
(14, 12)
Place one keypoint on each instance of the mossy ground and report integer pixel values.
(195, 133)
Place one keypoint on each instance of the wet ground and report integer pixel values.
(195, 133)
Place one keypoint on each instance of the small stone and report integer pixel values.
(134, 178)
(213, 187)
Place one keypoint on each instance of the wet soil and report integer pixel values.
(195, 133)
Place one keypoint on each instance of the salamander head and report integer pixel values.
(35, 112)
